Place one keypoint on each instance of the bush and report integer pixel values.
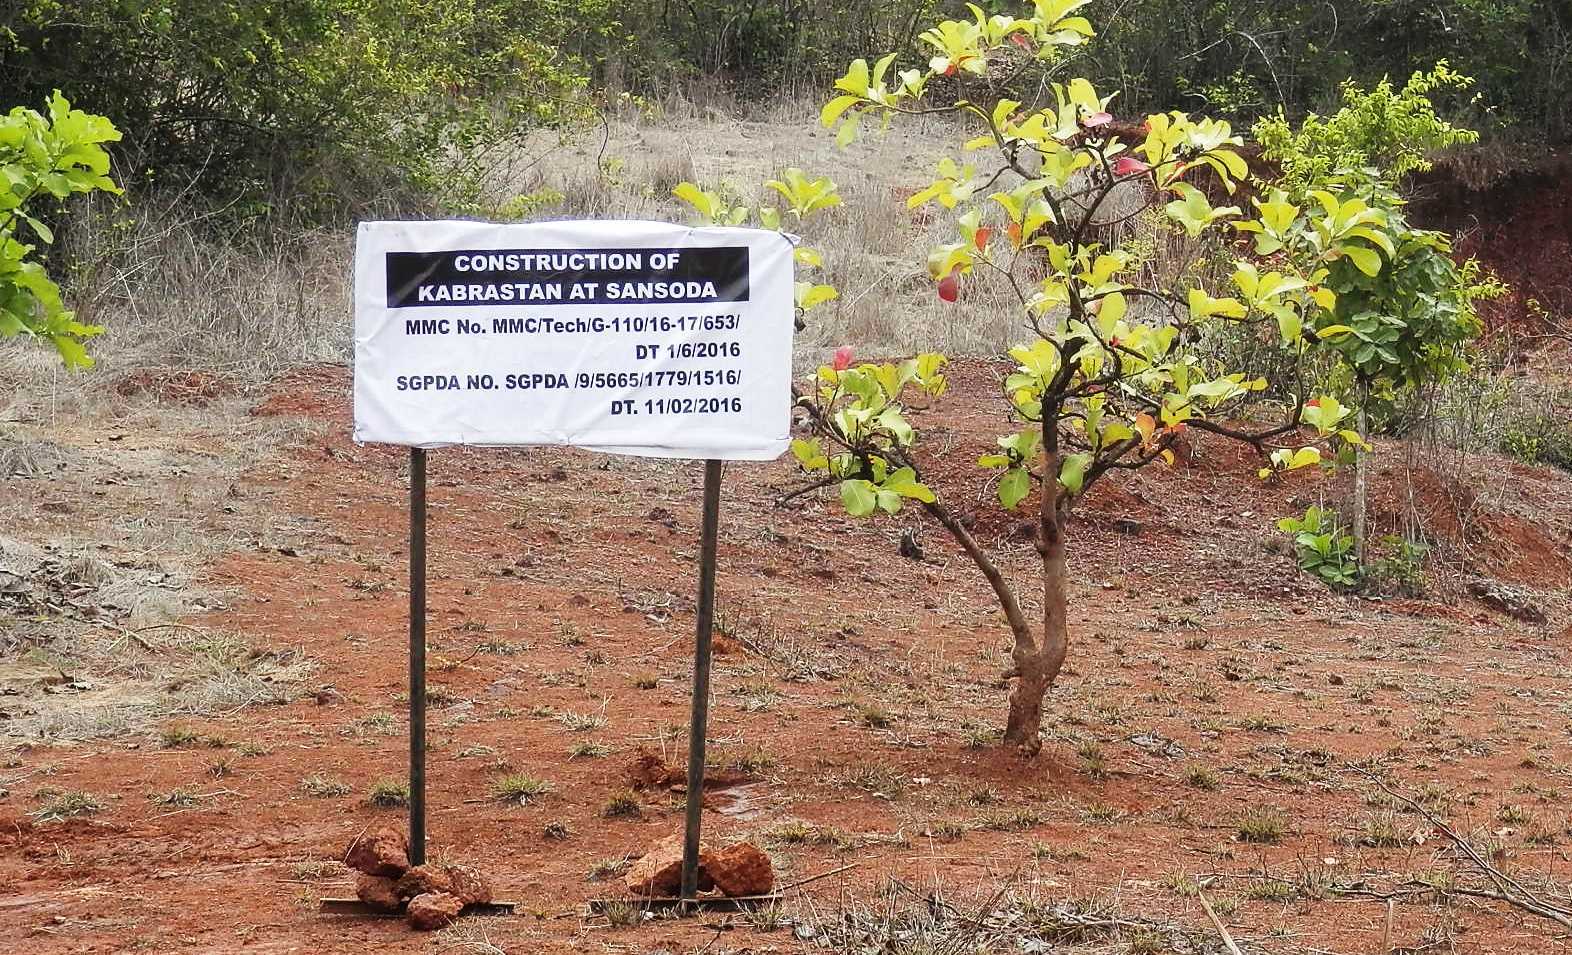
(328, 99)
(58, 155)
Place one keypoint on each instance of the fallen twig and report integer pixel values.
(1508, 889)
(814, 878)
(1217, 923)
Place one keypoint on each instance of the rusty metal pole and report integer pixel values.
(697, 727)
(417, 656)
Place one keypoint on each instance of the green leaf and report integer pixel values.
(834, 108)
(1014, 486)
(809, 453)
(1366, 260)
(859, 498)
(904, 482)
(40, 230)
(1072, 471)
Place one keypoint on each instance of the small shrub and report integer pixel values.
(1400, 570)
(1321, 547)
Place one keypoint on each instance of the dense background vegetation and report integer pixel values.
(1242, 58)
(334, 101)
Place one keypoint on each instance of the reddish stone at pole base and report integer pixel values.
(380, 852)
(433, 910)
(659, 873)
(741, 869)
(423, 879)
(468, 885)
(377, 891)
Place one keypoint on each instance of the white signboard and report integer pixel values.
(632, 337)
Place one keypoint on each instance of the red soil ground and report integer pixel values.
(851, 696)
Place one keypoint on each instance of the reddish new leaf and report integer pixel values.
(1129, 166)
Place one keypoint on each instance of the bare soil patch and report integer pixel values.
(1204, 735)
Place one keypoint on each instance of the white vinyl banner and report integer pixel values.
(630, 337)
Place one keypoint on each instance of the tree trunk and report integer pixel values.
(1361, 479)
(1038, 662)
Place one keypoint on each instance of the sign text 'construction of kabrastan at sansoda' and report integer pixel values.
(630, 337)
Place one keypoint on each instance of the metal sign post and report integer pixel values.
(697, 727)
(417, 656)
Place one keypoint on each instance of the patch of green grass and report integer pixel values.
(877, 780)
(179, 797)
(518, 788)
(1093, 762)
(602, 870)
(1102, 813)
(589, 750)
(1261, 824)
(389, 793)
(581, 722)
(874, 716)
(66, 804)
(947, 830)
(1010, 820)
(1514, 815)
(623, 805)
(620, 914)
(177, 737)
(1200, 777)
(752, 764)
(324, 787)
(799, 833)
(1261, 724)
(1270, 890)
(374, 724)
(1380, 830)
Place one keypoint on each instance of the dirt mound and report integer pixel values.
(1517, 219)
(178, 387)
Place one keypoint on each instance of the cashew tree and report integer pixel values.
(1109, 373)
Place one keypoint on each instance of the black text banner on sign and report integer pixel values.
(635, 337)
